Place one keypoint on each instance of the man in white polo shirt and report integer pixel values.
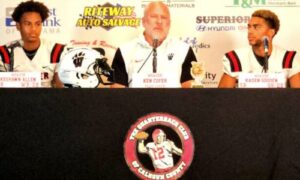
(154, 54)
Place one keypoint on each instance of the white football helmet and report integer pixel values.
(79, 67)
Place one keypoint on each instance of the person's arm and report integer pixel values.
(62, 50)
(186, 78)
(227, 81)
(295, 81)
(3, 67)
(141, 147)
(187, 84)
(120, 74)
(231, 68)
(117, 85)
(175, 149)
(56, 83)
(3, 53)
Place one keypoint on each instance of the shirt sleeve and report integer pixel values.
(120, 73)
(296, 65)
(62, 53)
(3, 66)
(186, 66)
(227, 67)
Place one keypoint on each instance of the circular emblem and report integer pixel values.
(198, 73)
(197, 70)
(159, 146)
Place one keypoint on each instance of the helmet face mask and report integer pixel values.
(161, 138)
(78, 68)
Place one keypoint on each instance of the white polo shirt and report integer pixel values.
(173, 57)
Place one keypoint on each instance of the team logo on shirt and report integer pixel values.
(159, 146)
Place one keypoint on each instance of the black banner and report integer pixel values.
(79, 133)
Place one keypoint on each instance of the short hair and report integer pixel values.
(270, 17)
(30, 6)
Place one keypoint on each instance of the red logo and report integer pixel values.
(159, 146)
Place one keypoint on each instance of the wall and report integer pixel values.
(226, 29)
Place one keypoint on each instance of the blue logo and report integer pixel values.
(52, 21)
(9, 22)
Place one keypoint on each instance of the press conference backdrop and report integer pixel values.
(210, 27)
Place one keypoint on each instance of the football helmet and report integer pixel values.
(83, 67)
(158, 136)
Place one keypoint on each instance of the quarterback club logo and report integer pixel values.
(159, 146)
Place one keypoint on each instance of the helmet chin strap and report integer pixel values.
(102, 68)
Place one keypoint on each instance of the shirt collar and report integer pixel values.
(143, 43)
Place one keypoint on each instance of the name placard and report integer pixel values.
(20, 79)
(154, 80)
(262, 80)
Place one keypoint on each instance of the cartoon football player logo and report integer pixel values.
(159, 146)
(161, 150)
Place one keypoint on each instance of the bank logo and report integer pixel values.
(51, 21)
(108, 16)
(9, 22)
(263, 3)
(159, 146)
